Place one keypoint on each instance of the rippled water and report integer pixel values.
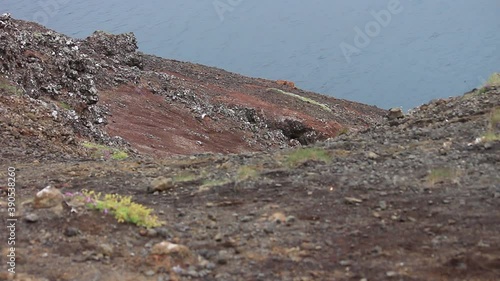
(426, 49)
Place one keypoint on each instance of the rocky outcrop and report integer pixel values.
(104, 90)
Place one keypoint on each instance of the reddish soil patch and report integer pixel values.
(156, 127)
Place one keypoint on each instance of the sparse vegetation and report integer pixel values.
(105, 152)
(299, 156)
(494, 122)
(493, 81)
(305, 99)
(65, 105)
(6, 87)
(246, 172)
(119, 155)
(343, 131)
(185, 177)
(215, 182)
(490, 136)
(495, 118)
(442, 175)
(121, 207)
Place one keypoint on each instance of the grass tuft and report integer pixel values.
(494, 80)
(65, 105)
(8, 88)
(105, 152)
(442, 175)
(208, 183)
(299, 156)
(246, 172)
(185, 177)
(121, 207)
(494, 122)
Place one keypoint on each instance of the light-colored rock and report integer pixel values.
(353, 200)
(48, 197)
(395, 113)
(277, 217)
(161, 184)
(31, 217)
(166, 248)
(105, 249)
(372, 155)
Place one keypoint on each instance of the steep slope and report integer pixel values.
(106, 91)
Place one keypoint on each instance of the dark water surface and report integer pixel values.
(380, 52)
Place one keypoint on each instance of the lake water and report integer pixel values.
(380, 52)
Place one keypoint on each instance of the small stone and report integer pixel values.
(377, 250)
(71, 231)
(269, 228)
(163, 232)
(31, 217)
(222, 257)
(211, 217)
(246, 219)
(161, 184)
(149, 273)
(170, 249)
(395, 113)
(488, 145)
(382, 205)
(290, 220)
(353, 200)
(218, 237)
(151, 232)
(192, 273)
(345, 262)
(390, 273)
(277, 218)
(47, 198)
(105, 249)
(163, 277)
(482, 244)
(372, 155)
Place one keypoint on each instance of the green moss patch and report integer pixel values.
(105, 152)
(299, 156)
